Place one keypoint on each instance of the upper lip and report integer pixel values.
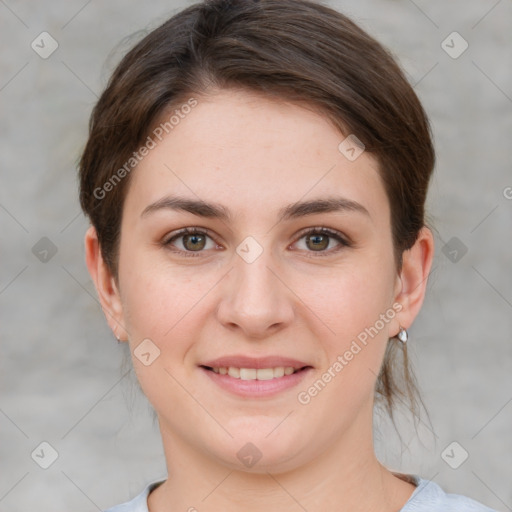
(240, 361)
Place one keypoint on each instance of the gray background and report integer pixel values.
(62, 375)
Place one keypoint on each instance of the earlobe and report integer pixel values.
(105, 285)
(417, 262)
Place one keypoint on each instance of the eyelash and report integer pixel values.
(309, 231)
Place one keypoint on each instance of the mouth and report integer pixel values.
(255, 373)
(255, 377)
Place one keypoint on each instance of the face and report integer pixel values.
(286, 266)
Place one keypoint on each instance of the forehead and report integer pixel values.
(246, 150)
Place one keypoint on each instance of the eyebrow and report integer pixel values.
(292, 211)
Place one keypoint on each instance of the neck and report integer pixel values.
(345, 477)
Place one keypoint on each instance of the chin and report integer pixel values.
(263, 447)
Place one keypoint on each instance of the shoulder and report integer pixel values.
(429, 497)
(137, 504)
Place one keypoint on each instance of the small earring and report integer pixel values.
(402, 335)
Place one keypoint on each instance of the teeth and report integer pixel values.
(248, 373)
(278, 372)
(255, 374)
(264, 373)
(234, 372)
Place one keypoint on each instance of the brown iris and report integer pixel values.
(194, 242)
(319, 241)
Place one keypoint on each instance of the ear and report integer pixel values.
(412, 281)
(105, 284)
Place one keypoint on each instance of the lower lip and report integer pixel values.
(256, 388)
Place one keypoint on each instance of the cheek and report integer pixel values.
(158, 304)
(164, 303)
(349, 300)
(357, 307)
(162, 306)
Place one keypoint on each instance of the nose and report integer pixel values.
(255, 299)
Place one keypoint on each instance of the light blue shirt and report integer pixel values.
(427, 497)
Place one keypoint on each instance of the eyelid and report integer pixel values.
(326, 231)
(340, 237)
(191, 230)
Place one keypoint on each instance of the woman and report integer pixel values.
(255, 177)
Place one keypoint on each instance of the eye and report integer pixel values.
(193, 241)
(190, 240)
(322, 240)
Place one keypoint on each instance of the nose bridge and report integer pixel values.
(255, 280)
(254, 298)
(255, 288)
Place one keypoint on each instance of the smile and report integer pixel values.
(255, 377)
(255, 373)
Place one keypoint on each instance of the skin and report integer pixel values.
(254, 156)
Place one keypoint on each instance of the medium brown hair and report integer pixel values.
(297, 50)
